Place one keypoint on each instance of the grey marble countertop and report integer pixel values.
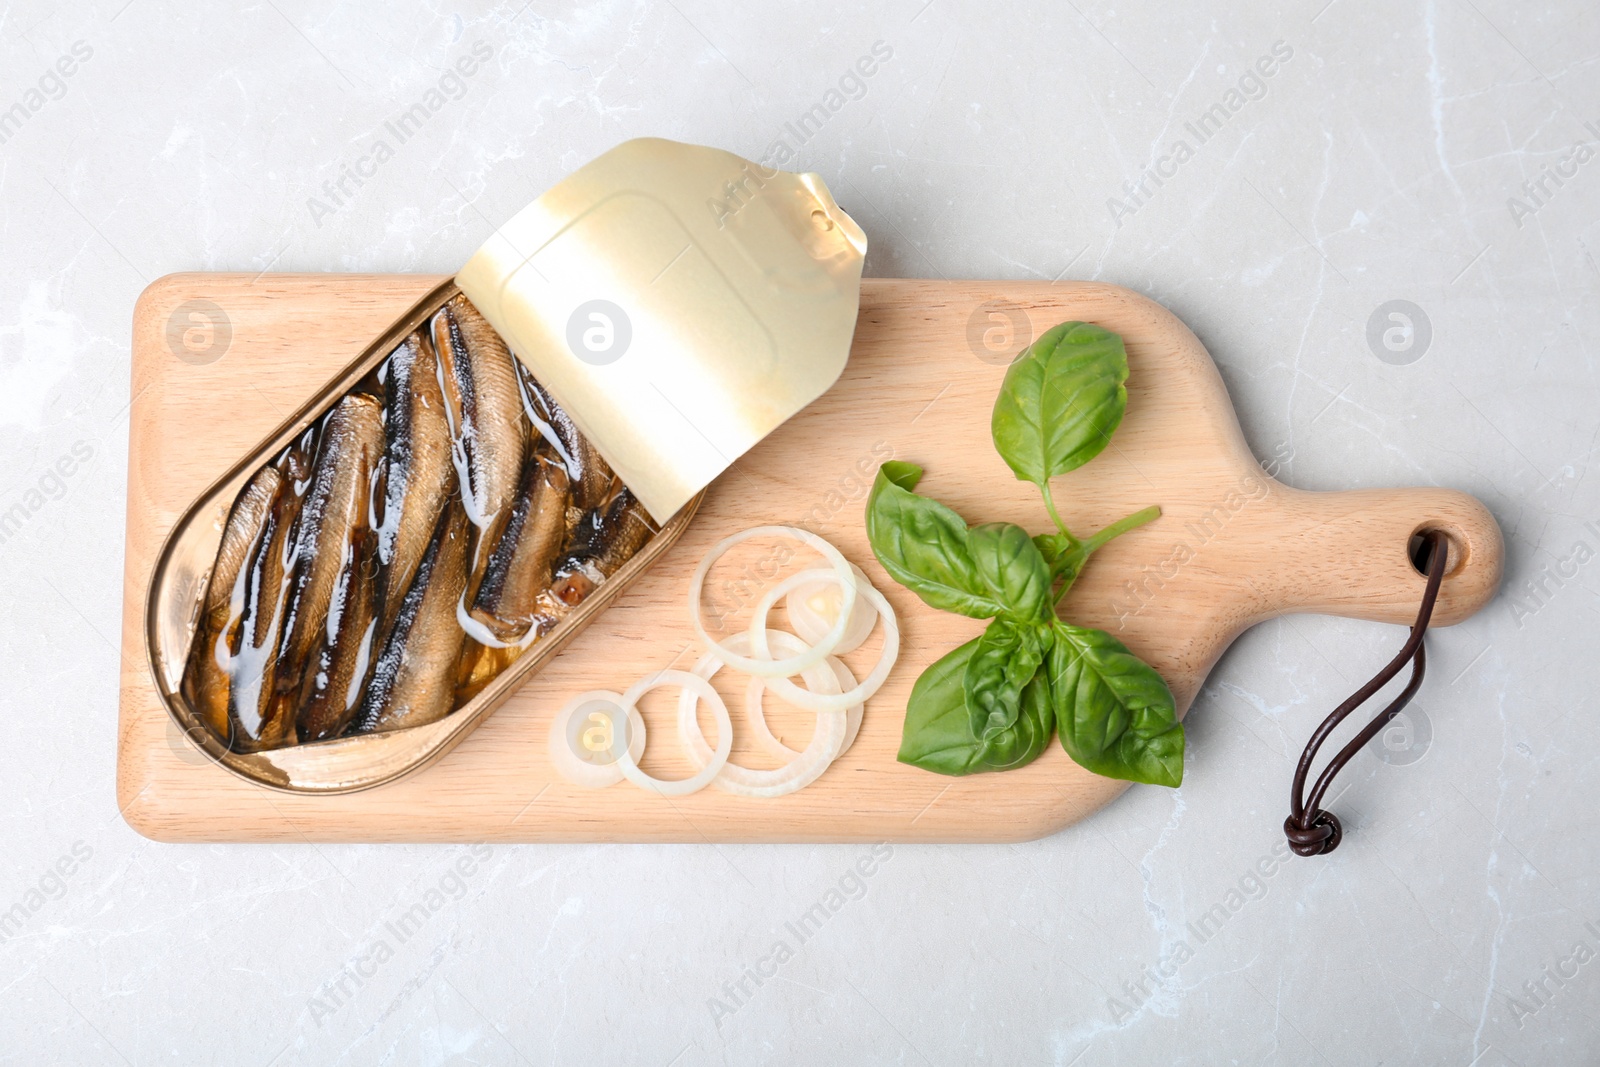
(1440, 153)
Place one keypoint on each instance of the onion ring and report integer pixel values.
(767, 667)
(812, 625)
(758, 719)
(805, 768)
(594, 774)
(815, 681)
(828, 741)
(833, 693)
(819, 702)
(853, 716)
(629, 763)
(845, 680)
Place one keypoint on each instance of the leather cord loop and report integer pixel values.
(1311, 830)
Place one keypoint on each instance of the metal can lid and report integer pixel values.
(679, 302)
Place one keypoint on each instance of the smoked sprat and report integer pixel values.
(439, 520)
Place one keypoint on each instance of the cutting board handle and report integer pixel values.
(1348, 553)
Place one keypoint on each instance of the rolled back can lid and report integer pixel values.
(679, 302)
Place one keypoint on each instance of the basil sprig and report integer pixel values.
(991, 704)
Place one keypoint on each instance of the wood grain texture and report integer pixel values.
(1233, 547)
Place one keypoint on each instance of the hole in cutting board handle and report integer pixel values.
(1419, 551)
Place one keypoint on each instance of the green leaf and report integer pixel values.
(905, 475)
(924, 546)
(1062, 554)
(1013, 571)
(1115, 714)
(1061, 401)
(1006, 659)
(938, 733)
(1022, 744)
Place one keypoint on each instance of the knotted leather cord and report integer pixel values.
(1312, 831)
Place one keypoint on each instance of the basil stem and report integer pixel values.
(1073, 560)
(1055, 516)
(1120, 527)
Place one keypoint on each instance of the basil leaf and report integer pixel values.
(1061, 401)
(1062, 554)
(905, 475)
(1010, 566)
(938, 737)
(1006, 659)
(923, 545)
(1022, 743)
(1115, 714)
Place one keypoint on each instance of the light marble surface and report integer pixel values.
(1376, 164)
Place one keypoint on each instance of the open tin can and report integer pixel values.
(677, 303)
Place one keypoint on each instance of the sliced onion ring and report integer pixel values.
(579, 771)
(819, 702)
(813, 626)
(800, 772)
(827, 741)
(843, 681)
(758, 719)
(852, 720)
(629, 763)
(766, 666)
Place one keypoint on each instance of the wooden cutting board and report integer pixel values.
(219, 360)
